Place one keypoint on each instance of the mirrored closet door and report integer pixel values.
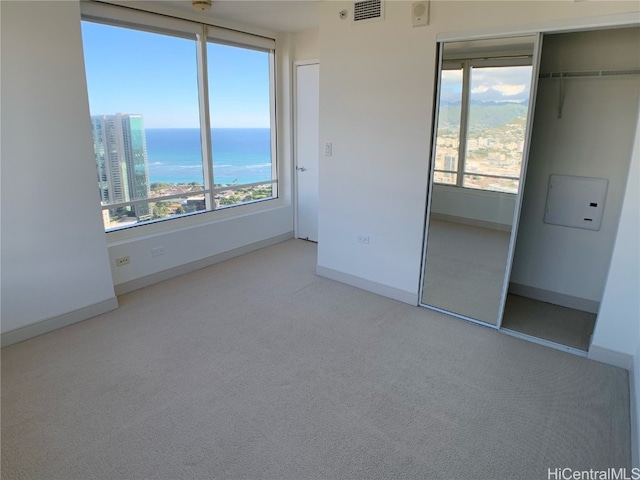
(485, 98)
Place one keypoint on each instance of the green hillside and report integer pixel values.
(484, 115)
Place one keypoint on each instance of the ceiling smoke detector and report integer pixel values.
(201, 5)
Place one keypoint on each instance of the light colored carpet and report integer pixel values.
(257, 368)
(562, 325)
(465, 269)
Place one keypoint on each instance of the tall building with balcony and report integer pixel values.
(120, 148)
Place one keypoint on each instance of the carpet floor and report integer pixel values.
(257, 368)
(562, 325)
(465, 269)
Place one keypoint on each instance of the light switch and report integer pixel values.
(328, 149)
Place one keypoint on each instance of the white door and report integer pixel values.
(307, 149)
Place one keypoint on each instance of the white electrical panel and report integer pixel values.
(576, 202)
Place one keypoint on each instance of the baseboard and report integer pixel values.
(148, 280)
(611, 357)
(54, 323)
(374, 287)
(555, 298)
(635, 414)
(546, 343)
(471, 222)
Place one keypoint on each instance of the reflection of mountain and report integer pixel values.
(482, 115)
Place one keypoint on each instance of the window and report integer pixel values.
(448, 137)
(481, 124)
(182, 115)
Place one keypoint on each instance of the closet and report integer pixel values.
(525, 193)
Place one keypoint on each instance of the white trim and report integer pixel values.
(139, 20)
(463, 132)
(634, 410)
(556, 298)
(205, 119)
(459, 316)
(239, 39)
(550, 26)
(159, 8)
(533, 93)
(430, 171)
(54, 323)
(610, 357)
(502, 227)
(542, 341)
(190, 221)
(302, 63)
(274, 125)
(148, 280)
(386, 291)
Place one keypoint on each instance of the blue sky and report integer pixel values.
(130, 71)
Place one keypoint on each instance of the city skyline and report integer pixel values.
(119, 143)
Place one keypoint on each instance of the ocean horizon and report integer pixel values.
(240, 155)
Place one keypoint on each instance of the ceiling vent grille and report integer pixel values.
(368, 10)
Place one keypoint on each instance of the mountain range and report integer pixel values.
(482, 114)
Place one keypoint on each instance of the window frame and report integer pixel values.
(202, 34)
(465, 64)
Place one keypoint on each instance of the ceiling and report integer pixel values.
(271, 15)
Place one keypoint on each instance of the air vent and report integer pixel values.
(368, 10)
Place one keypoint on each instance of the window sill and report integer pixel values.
(189, 221)
(474, 191)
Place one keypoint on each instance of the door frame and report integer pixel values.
(294, 153)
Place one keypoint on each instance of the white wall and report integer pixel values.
(618, 323)
(375, 107)
(376, 99)
(593, 138)
(305, 45)
(54, 254)
(55, 259)
(196, 244)
(616, 338)
(478, 207)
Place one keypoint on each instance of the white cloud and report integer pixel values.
(480, 89)
(509, 90)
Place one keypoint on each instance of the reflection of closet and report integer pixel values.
(584, 124)
(586, 110)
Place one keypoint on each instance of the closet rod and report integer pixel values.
(591, 74)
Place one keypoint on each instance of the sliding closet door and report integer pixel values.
(485, 98)
(535, 72)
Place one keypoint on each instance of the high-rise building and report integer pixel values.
(120, 147)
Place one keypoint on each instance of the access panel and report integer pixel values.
(576, 202)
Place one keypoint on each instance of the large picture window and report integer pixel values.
(481, 124)
(182, 117)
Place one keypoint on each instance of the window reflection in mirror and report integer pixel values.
(484, 96)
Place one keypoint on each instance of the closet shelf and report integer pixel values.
(590, 74)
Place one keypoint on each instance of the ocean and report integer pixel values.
(240, 155)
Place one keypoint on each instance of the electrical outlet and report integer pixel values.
(123, 261)
(364, 239)
(157, 251)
